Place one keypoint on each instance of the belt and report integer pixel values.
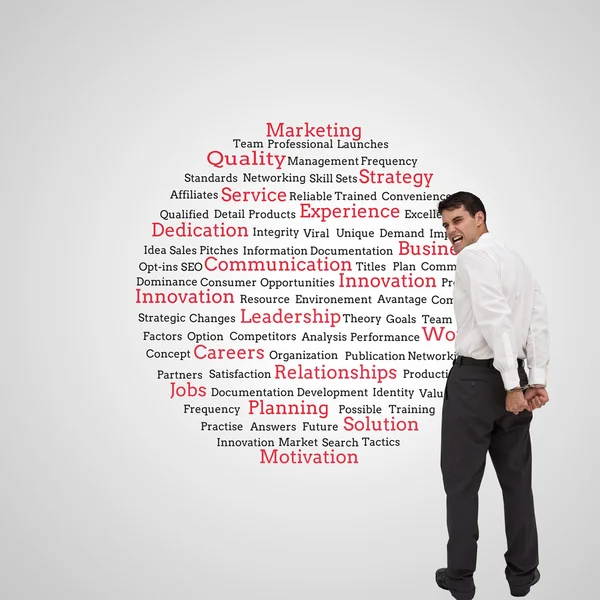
(467, 361)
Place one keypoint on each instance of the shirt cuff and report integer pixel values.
(538, 376)
(511, 380)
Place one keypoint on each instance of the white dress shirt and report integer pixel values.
(500, 311)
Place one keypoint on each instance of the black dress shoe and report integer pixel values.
(441, 578)
(523, 590)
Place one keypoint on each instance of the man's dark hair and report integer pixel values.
(470, 201)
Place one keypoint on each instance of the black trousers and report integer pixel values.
(475, 421)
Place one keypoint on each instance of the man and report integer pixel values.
(501, 320)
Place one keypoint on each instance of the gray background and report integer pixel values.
(107, 491)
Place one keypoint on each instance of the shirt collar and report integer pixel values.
(485, 238)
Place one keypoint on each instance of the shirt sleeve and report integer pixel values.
(538, 340)
(480, 276)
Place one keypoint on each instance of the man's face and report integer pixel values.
(461, 228)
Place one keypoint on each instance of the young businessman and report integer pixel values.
(501, 320)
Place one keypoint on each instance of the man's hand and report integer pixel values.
(515, 402)
(536, 398)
